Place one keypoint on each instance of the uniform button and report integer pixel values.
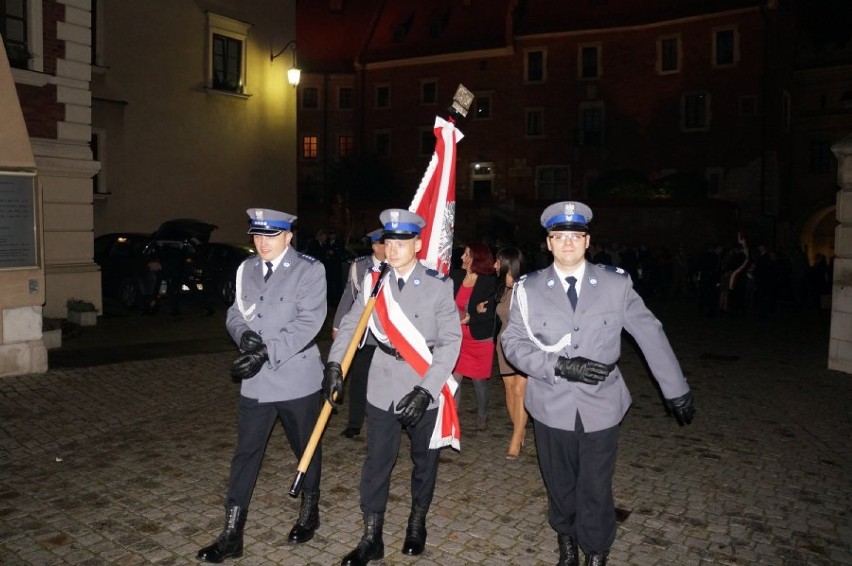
(576, 328)
(261, 297)
(575, 345)
(259, 315)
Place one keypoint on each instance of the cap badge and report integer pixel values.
(258, 214)
(569, 209)
(394, 219)
(550, 283)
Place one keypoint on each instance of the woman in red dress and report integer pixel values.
(474, 290)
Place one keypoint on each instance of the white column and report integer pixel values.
(840, 340)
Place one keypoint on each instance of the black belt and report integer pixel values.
(393, 351)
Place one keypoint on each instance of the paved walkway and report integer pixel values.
(126, 462)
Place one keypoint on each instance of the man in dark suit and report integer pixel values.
(279, 309)
(400, 397)
(564, 332)
(357, 376)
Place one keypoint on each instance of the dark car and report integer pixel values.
(218, 262)
(136, 268)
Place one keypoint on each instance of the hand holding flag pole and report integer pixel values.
(325, 413)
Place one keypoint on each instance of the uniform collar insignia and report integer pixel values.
(285, 264)
(550, 283)
(593, 281)
(416, 281)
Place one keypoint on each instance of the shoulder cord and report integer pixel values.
(521, 294)
(248, 314)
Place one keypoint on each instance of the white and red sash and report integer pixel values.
(398, 330)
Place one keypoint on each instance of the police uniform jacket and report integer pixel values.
(287, 312)
(607, 304)
(427, 301)
(357, 270)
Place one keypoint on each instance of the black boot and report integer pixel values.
(596, 559)
(415, 534)
(568, 554)
(371, 546)
(308, 521)
(229, 544)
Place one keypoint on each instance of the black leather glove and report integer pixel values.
(412, 407)
(250, 341)
(582, 370)
(249, 364)
(682, 407)
(332, 383)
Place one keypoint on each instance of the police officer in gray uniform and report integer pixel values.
(564, 332)
(397, 397)
(279, 309)
(357, 376)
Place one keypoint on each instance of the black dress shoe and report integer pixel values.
(351, 432)
(229, 544)
(308, 521)
(415, 534)
(568, 553)
(371, 546)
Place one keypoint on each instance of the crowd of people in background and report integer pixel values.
(723, 278)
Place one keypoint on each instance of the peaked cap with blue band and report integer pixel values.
(376, 235)
(266, 222)
(400, 224)
(566, 216)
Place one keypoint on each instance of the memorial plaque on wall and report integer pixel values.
(18, 248)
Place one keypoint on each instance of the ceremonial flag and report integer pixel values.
(435, 199)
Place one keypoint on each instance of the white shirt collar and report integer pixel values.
(578, 273)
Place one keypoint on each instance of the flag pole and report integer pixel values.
(325, 413)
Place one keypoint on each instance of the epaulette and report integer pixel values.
(437, 274)
(361, 258)
(613, 269)
(308, 258)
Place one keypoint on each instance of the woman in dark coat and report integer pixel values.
(474, 288)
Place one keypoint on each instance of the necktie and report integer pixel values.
(268, 273)
(572, 291)
(401, 282)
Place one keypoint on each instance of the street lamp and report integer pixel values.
(293, 73)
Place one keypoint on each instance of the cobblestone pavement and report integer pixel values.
(126, 463)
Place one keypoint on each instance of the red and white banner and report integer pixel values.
(435, 199)
(404, 336)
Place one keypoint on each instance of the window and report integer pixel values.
(786, 109)
(535, 66)
(668, 55)
(428, 92)
(482, 106)
(748, 105)
(589, 61)
(13, 27)
(725, 47)
(310, 147)
(427, 141)
(382, 141)
(98, 145)
(695, 111)
(227, 60)
(591, 124)
(345, 145)
(383, 94)
(820, 157)
(534, 122)
(21, 28)
(481, 180)
(553, 182)
(310, 97)
(345, 98)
